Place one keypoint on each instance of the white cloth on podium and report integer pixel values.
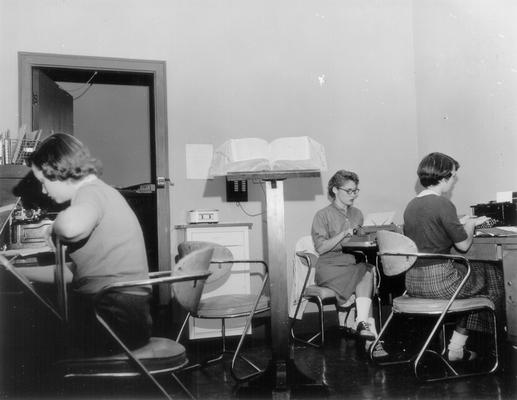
(298, 273)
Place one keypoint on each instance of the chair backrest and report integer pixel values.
(304, 247)
(188, 293)
(392, 242)
(220, 272)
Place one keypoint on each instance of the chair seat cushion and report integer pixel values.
(320, 291)
(416, 305)
(159, 354)
(227, 306)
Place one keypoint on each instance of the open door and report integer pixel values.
(53, 112)
(52, 107)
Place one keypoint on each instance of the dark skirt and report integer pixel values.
(343, 277)
(126, 313)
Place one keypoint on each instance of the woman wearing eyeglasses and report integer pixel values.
(338, 270)
(431, 221)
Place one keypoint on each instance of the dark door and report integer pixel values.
(52, 107)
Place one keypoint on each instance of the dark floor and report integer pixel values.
(341, 367)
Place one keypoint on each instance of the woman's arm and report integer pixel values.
(76, 222)
(326, 245)
(469, 224)
(44, 274)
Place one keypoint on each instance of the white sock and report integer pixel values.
(346, 318)
(362, 305)
(351, 319)
(456, 345)
(341, 315)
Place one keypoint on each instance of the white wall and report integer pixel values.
(466, 85)
(242, 68)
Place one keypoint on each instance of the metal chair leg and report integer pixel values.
(321, 332)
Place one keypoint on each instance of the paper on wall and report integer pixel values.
(198, 159)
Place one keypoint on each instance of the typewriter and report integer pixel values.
(502, 219)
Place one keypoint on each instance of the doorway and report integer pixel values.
(133, 145)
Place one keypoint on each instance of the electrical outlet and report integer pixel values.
(236, 191)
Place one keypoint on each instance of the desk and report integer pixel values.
(503, 250)
(9, 255)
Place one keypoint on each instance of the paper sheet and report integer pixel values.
(375, 219)
(503, 197)
(198, 159)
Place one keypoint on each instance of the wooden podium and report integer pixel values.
(282, 374)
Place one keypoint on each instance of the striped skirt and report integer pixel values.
(439, 281)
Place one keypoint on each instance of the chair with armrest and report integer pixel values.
(398, 253)
(227, 306)
(321, 296)
(160, 355)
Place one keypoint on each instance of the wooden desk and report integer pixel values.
(503, 250)
(6, 261)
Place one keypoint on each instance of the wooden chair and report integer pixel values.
(398, 253)
(160, 355)
(227, 306)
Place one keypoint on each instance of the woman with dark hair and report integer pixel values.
(337, 269)
(105, 243)
(431, 221)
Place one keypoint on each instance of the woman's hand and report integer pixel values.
(347, 234)
(474, 221)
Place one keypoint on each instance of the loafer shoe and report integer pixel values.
(467, 356)
(347, 331)
(364, 331)
(379, 351)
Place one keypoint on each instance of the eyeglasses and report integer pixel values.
(349, 192)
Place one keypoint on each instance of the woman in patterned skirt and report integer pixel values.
(431, 221)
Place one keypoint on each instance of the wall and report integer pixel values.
(466, 79)
(246, 68)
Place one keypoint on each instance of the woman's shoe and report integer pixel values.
(378, 352)
(465, 355)
(364, 331)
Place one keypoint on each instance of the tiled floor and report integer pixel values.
(341, 366)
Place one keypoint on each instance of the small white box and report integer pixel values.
(203, 216)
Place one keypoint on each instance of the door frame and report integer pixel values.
(27, 61)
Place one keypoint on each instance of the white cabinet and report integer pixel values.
(235, 236)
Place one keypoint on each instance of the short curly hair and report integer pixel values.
(339, 179)
(434, 167)
(62, 156)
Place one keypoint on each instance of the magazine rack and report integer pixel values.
(281, 375)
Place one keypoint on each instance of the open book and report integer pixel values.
(255, 154)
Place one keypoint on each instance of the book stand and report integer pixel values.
(282, 374)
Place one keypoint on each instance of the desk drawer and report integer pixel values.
(224, 238)
(484, 251)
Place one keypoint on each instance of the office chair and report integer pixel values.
(319, 295)
(398, 253)
(227, 306)
(160, 355)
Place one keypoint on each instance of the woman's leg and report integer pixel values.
(364, 290)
